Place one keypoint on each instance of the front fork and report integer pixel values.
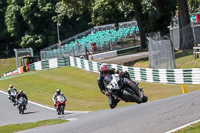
(132, 85)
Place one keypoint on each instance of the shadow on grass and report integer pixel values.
(178, 54)
(131, 63)
(183, 53)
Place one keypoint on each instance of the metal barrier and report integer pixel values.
(166, 76)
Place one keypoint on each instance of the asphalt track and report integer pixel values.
(10, 115)
(152, 117)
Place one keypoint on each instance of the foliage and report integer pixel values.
(4, 36)
(150, 17)
(110, 11)
(152, 22)
(13, 20)
(3, 31)
(193, 6)
(60, 10)
(33, 41)
(32, 23)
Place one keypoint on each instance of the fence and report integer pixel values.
(105, 38)
(167, 76)
(190, 30)
(161, 54)
(105, 27)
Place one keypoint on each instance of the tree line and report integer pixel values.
(33, 23)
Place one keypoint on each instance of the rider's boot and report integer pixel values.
(113, 102)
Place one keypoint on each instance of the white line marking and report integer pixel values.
(181, 127)
(50, 107)
(72, 119)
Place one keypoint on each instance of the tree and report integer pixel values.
(111, 11)
(193, 6)
(186, 34)
(13, 19)
(4, 36)
(139, 18)
(163, 10)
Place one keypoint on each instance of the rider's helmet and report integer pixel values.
(11, 86)
(58, 91)
(103, 68)
(20, 92)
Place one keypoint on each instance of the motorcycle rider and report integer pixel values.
(11, 89)
(104, 71)
(21, 94)
(54, 98)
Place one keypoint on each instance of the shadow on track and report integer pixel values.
(25, 113)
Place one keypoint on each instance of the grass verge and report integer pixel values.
(194, 128)
(7, 65)
(24, 126)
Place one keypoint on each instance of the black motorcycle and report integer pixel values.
(22, 105)
(123, 88)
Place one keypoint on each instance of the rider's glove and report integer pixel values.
(106, 93)
(121, 73)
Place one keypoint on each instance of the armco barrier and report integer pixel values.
(48, 64)
(167, 76)
(125, 50)
(114, 53)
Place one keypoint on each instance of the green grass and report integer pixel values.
(24, 126)
(7, 65)
(183, 60)
(80, 88)
(194, 128)
(186, 60)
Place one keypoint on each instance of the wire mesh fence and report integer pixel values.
(161, 53)
(186, 37)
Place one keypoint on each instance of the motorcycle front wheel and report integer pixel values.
(144, 99)
(59, 110)
(22, 109)
(62, 109)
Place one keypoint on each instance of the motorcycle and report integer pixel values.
(120, 88)
(22, 105)
(60, 104)
(12, 97)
